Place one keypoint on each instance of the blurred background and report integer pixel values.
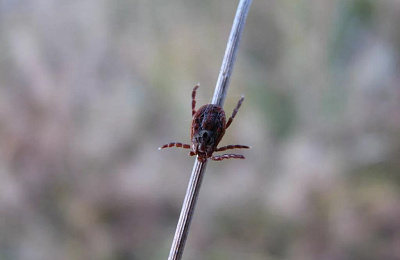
(90, 89)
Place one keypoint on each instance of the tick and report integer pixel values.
(207, 129)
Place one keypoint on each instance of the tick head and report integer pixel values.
(203, 142)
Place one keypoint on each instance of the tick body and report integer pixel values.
(207, 129)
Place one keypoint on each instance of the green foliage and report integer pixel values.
(278, 107)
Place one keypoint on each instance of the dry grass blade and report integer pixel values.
(220, 92)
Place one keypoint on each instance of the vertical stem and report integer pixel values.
(198, 171)
(221, 88)
(189, 203)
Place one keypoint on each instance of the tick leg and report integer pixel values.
(194, 99)
(234, 112)
(232, 146)
(191, 153)
(181, 145)
(227, 156)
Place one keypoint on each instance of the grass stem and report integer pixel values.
(221, 89)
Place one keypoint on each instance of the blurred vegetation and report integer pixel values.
(90, 90)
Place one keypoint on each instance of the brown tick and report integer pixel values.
(208, 128)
